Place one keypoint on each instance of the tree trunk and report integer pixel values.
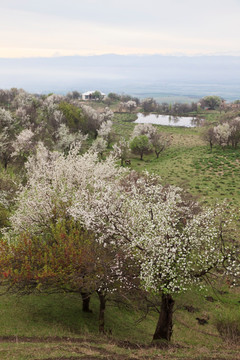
(86, 302)
(102, 299)
(164, 325)
(5, 164)
(211, 145)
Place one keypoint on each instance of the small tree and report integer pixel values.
(211, 102)
(114, 96)
(99, 146)
(95, 118)
(158, 140)
(74, 117)
(121, 150)
(106, 132)
(222, 133)
(209, 136)
(235, 132)
(97, 95)
(7, 136)
(65, 140)
(130, 105)
(159, 143)
(141, 145)
(144, 129)
(66, 259)
(149, 105)
(24, 143)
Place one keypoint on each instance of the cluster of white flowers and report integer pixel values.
(222, 133)
(22, 99)
(4, 202)
(98, 116)
(23, 142)
(53, 181)
(227, 132)
(50, 106)
(6, 118)
(21, 113)
(121, 149)
(99, 146)
(129, 105)
(144, 129)
(90, 112)
(66, 140)
(7, 134)
(175, 247)
(105, 129)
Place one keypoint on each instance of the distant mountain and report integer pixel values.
(146, 75)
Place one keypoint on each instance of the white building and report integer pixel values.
(89, 95)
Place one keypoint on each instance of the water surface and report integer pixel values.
(168, 120)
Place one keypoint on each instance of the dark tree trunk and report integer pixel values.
(102, 299)
(85, 302)
(5, 164)
(211, 145)
(164, 325)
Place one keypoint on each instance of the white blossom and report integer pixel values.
(105, 129)
(23, 142)
(144, 129)
(66, 140)
(222, 134)
(6, 119)
(99, 146)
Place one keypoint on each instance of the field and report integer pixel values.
(54, 327)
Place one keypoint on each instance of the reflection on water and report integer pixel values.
(168, 120)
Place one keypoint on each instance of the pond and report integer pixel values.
(168, 120)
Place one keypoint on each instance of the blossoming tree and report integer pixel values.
(174, 243)
(159, 141)
(46, 247)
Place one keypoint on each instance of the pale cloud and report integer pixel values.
(33, 28)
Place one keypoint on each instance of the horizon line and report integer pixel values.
(123, 55)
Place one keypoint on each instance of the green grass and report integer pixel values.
(61, 315)
(54, 327)
(210, 176)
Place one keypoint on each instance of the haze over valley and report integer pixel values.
(166, 78)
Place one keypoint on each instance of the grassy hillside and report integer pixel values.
(190, 164)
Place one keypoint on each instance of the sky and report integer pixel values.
(48, 28)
